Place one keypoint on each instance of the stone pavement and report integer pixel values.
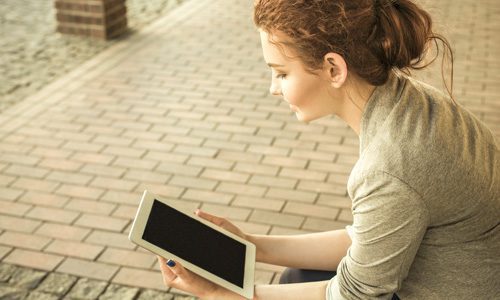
(182, 109)
(33, 54)
(25, 283)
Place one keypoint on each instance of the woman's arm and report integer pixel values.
(321, 251)
(294, 291)
(176, 276)
(318, 251)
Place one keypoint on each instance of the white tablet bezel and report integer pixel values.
(139, 225)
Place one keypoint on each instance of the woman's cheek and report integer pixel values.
(293, 95)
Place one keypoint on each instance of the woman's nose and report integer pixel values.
(275, 90)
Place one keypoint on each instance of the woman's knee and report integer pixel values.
(287, 276)
(299, 275)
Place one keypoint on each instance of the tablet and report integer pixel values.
(200, 246)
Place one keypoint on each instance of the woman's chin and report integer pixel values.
(306, 118)
(301, 117)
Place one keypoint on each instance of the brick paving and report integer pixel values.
(182, 109)
(34, 54)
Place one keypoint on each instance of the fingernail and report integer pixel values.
(171, 263)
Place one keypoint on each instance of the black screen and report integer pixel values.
(196, 243)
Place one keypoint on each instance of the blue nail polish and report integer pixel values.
(171, 263)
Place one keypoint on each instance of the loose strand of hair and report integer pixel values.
(416, 65)
(447, 57)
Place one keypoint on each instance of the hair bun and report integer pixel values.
(402, 33)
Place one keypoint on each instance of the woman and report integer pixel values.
(426, 188)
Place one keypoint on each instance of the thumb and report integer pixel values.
(177, 269)
(211, 218)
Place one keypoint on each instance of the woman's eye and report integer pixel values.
(281, 76)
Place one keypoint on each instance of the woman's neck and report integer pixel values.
(355, 96)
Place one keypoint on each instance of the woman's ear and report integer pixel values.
(336, 69)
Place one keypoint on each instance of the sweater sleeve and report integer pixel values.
(389, 222)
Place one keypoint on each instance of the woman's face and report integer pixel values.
(309, 96)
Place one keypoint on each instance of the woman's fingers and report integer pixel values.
(176, 276)
(178, 270)
(221, 222)
(167, 273)
(172, 270)
(211, 218)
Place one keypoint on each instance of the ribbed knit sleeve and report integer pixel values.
(389, 222)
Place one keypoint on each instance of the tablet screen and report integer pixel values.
(196, 243)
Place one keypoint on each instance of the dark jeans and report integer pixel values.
(299, 275)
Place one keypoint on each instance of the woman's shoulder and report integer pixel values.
(436, 146)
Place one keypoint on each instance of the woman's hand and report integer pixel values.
(221, 222)
(227, 225)
(176, 276)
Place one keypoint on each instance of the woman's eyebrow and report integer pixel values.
(273, 65)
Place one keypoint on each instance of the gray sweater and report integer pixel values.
(425, 201)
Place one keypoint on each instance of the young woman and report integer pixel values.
(426, 188)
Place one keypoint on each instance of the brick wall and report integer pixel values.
(103, 19)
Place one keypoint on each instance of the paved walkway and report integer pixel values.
(182, 109)
(33, 54)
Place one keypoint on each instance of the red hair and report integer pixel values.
(373, 36)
